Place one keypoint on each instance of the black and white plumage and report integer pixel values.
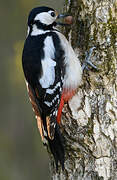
(50, 68)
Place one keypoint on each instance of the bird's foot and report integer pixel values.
(87, 61)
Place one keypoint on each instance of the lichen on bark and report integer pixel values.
(89, 121)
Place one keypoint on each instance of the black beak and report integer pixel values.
(60, 16)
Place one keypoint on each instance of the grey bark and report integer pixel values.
(89, 120)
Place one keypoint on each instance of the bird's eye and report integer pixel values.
(53, 14)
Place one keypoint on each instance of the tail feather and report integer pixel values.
(56, 144)
(57, 148)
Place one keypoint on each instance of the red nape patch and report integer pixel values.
(66, 96)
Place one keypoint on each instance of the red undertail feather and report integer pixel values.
(60, 109)
(66, 96)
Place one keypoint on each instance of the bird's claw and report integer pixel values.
(87, 61)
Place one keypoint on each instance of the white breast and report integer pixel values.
(73, 74)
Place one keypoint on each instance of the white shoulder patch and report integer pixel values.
(48, 64)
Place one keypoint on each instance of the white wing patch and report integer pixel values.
(48, 76)
(48, 64)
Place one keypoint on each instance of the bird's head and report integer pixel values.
(42, 15)
(43, 18)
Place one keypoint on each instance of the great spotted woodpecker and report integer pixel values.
(52, 73)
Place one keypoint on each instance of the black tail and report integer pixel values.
(57, 147)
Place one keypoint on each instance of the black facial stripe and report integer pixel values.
(44, 26)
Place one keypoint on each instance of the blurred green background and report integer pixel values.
(22, 155)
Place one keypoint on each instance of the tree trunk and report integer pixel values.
(89, 120)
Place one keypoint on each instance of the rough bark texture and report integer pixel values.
(89, 121)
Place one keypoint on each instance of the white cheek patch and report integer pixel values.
(48, 64)
(45, 18)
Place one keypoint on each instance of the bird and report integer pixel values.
(52, 73)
